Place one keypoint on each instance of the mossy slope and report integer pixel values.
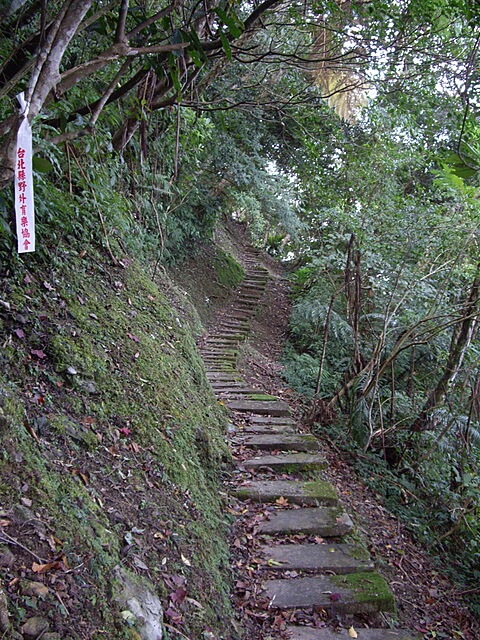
(112, 450)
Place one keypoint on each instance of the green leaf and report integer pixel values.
(232, 21)
(196, 50)
(41, 164)
(174, 74)
(226, 46)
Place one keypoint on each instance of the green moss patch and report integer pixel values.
(367, 587)
(320, 488)
(229, 272)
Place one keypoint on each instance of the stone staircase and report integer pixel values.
(284, 468)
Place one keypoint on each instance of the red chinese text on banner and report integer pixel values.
(24, 211)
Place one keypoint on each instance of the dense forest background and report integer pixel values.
(346, 135)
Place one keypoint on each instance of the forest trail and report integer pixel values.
(314, 567)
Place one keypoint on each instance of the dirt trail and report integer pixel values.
(427, 602)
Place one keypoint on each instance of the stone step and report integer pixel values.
(356, 593)
(250, 293)
(277, 408)
(226, 328)
(307, 633)
(267, 428)
(235, 384)
(219, 351)
(271, 420)
(327, 522)
(214, 367)
(315, 493)
(235, 393)
(239, 315)
(235, 387)
(248, 300)
(286, 442)
(323, 558)
(226, 355)
(288, 462)
(222, 377)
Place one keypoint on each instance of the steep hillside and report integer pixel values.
(112, 454)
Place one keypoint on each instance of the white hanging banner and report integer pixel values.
(24, 211)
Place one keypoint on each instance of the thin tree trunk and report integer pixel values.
(461, 339)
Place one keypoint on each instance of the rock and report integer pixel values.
(31, 588)
(89, 386)
(4, 623)
(34, 627)
(7, 559)
(137, 597)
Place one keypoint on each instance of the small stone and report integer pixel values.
(3, 611)
(32, 588)
(33, 627)
(89, 387)
(140, 602)
(7, 559)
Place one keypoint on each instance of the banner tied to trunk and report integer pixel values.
(24, 211)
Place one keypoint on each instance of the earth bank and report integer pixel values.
(111, 506)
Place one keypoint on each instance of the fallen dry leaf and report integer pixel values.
(352, 633)
(48, 566)
(185, 560)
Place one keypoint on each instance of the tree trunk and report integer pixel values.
(461, 339)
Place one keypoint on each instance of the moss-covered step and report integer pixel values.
(321, 558)
(315, 493)
(307, 633)
(281, 442)
(327, 522)
(276, 408)
(355, 593)
(288, 462)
